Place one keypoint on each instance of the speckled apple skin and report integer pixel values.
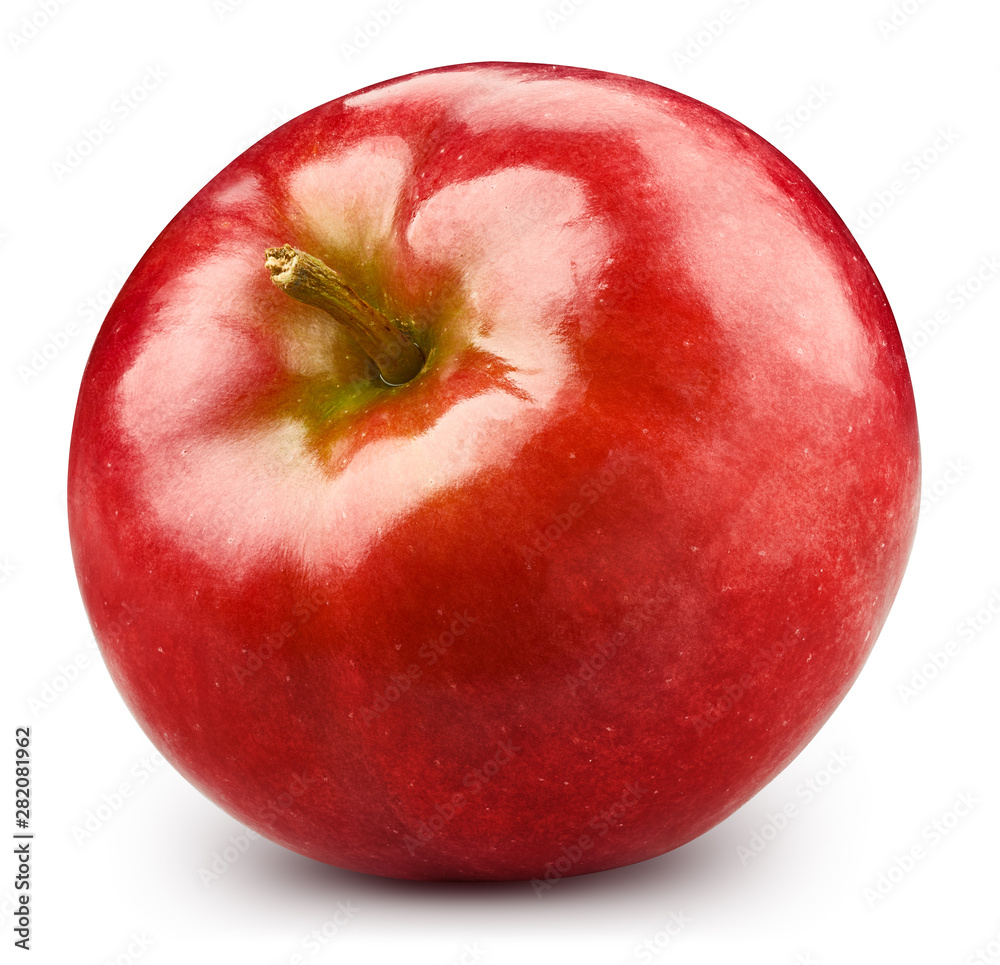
(585, 585)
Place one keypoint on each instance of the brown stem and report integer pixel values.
(307, 279)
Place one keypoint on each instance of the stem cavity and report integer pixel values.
(308, 280)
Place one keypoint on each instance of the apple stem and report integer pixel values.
(308, 280)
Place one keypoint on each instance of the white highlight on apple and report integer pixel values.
(371, 491)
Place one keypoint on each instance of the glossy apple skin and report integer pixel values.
(584, 586)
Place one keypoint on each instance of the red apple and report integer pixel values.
(577, 589)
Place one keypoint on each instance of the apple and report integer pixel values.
(501, 472)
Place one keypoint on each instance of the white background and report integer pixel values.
(871, 104)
